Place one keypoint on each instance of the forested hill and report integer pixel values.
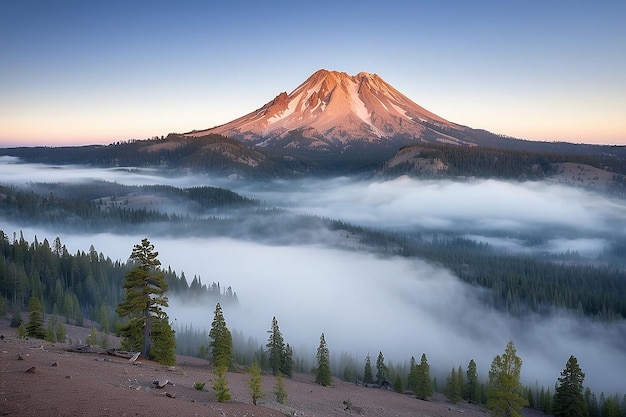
(504, 158)
(444, 161)
(86, 284)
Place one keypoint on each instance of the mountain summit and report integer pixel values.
(333, 110)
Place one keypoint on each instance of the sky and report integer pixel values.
(75, 72)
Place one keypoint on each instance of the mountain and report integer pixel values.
(333, 110)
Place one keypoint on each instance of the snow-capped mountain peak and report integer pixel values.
(332, 109)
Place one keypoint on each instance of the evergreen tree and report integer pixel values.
(280, 355)
(34, 328)
(399, 384)
(61, 333)
(472, 386)
(381, 369)
(279, 389)
(323, 376)
(220, 386)
(287, 363)
(368, 375)
(568, 400)
(256, 388)
(411, 379)
(423, 387)
(222, 340)
(504, 396)
(92, 339)
(453, 390)
(144, 298)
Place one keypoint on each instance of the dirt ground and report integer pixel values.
(50, 381)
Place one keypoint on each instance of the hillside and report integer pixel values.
(84, 384)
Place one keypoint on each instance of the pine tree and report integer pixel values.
(61, 333)
(423, 387)
(279, 389)
(256, 388)
(287, 362)
(222, 340)
(220, 386)
(453, 390)
(323, 376)
(381, 369)
(368, 376)
(472, 386)
(279, 354)
(144, 298)
(568, 400)
(504, 395)
(411, 379)
(34, 328)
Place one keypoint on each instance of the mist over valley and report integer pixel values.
(350, 257)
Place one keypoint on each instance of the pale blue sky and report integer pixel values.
(82, 72)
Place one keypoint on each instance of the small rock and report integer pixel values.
(30, 370)
(55, 364)
(170, 395)
(68, 377)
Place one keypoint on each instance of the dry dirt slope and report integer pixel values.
(78, 384)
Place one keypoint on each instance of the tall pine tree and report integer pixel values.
(472, 385)
(368, 375)
(423, 387)
(323, 376)
(568, 398)
(34, 328)
(221, 340)
(144, 301)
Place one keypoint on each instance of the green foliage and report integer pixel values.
(279, 389)
(568, 398)
(34, 328)
(199, 386)
(143, 303)
(256, 388)
(504, 392)
(368, 375)
(61, 333)
(21, 330)
(220, 386)
(381, 368)
(472, 385)
(399, 384)
(411, 379)
(279, 354)
(163, 348)
(50, 334)
(453, 389)
(323, 376)
(92, 339)
(221, 340)
(423, 387)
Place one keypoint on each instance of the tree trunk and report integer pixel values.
(145, 351)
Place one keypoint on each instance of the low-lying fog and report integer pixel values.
(367, 303)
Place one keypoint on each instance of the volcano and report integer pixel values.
(333, 110)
